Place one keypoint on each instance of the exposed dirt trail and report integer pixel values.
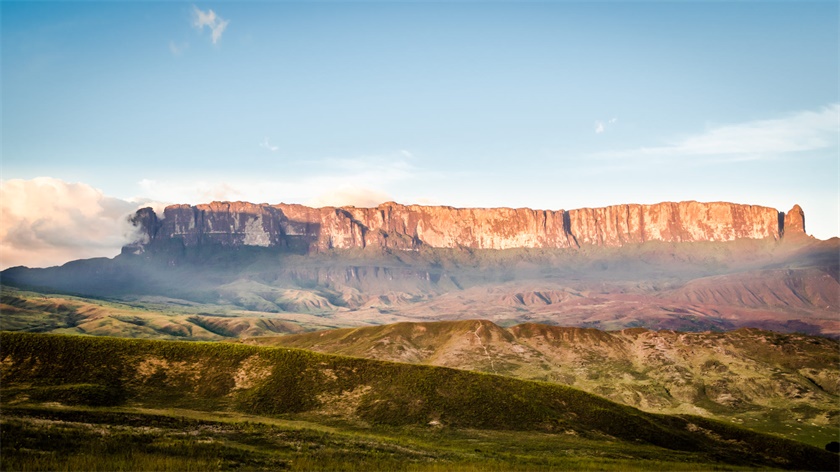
(486, 352)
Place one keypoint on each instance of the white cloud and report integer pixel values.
(601, 126)
(47, 221)
(178, 48)
(796, 132)
(266, 145)
(211, 20)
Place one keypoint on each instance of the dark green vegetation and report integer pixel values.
(356, 414)
(73, 438)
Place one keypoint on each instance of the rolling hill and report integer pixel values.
(786, 383)
(105, 379)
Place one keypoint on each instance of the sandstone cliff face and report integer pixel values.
(406, 227)
(794, 221)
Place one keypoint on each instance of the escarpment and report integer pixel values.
(407, 227)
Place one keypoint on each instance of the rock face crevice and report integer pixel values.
(408, 227)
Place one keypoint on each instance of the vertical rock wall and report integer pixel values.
(396, 226)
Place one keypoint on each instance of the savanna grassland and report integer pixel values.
(785, 384)
(74, 402)
(204, 359)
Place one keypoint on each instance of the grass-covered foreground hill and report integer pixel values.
(788, 384)
(100, 403)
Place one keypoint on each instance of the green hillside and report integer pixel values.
(143, 317)
(98, 375)
(787, 384)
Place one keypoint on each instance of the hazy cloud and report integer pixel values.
(47, 221)
(211, 20)
(266, 145)
(192, 192)
(796, 132)
(359, 181)
(348, 195)
(178, 48)
(601, 126)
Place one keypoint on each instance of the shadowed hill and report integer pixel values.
(271, 381)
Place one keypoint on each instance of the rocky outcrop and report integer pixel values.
(794, 221)
(407, 227)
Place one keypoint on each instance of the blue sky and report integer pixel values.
(555, 105)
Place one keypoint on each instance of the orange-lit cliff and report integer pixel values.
(405, 227)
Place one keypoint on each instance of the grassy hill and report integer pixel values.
(97, 377)
(787, 384)
(145, 317)
(784, 383)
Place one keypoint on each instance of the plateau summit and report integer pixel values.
(263, 269)
(408, 227)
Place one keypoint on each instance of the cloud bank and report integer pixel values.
(47, 221)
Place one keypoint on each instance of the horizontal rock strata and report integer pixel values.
(407, 227)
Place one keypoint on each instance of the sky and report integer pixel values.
(111, 106)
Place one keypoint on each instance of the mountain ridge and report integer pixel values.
(261, 261)
(408, 227)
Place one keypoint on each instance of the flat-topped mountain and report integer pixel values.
(687, 266)
(395, 226)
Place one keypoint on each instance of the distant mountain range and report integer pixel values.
(688, 266)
